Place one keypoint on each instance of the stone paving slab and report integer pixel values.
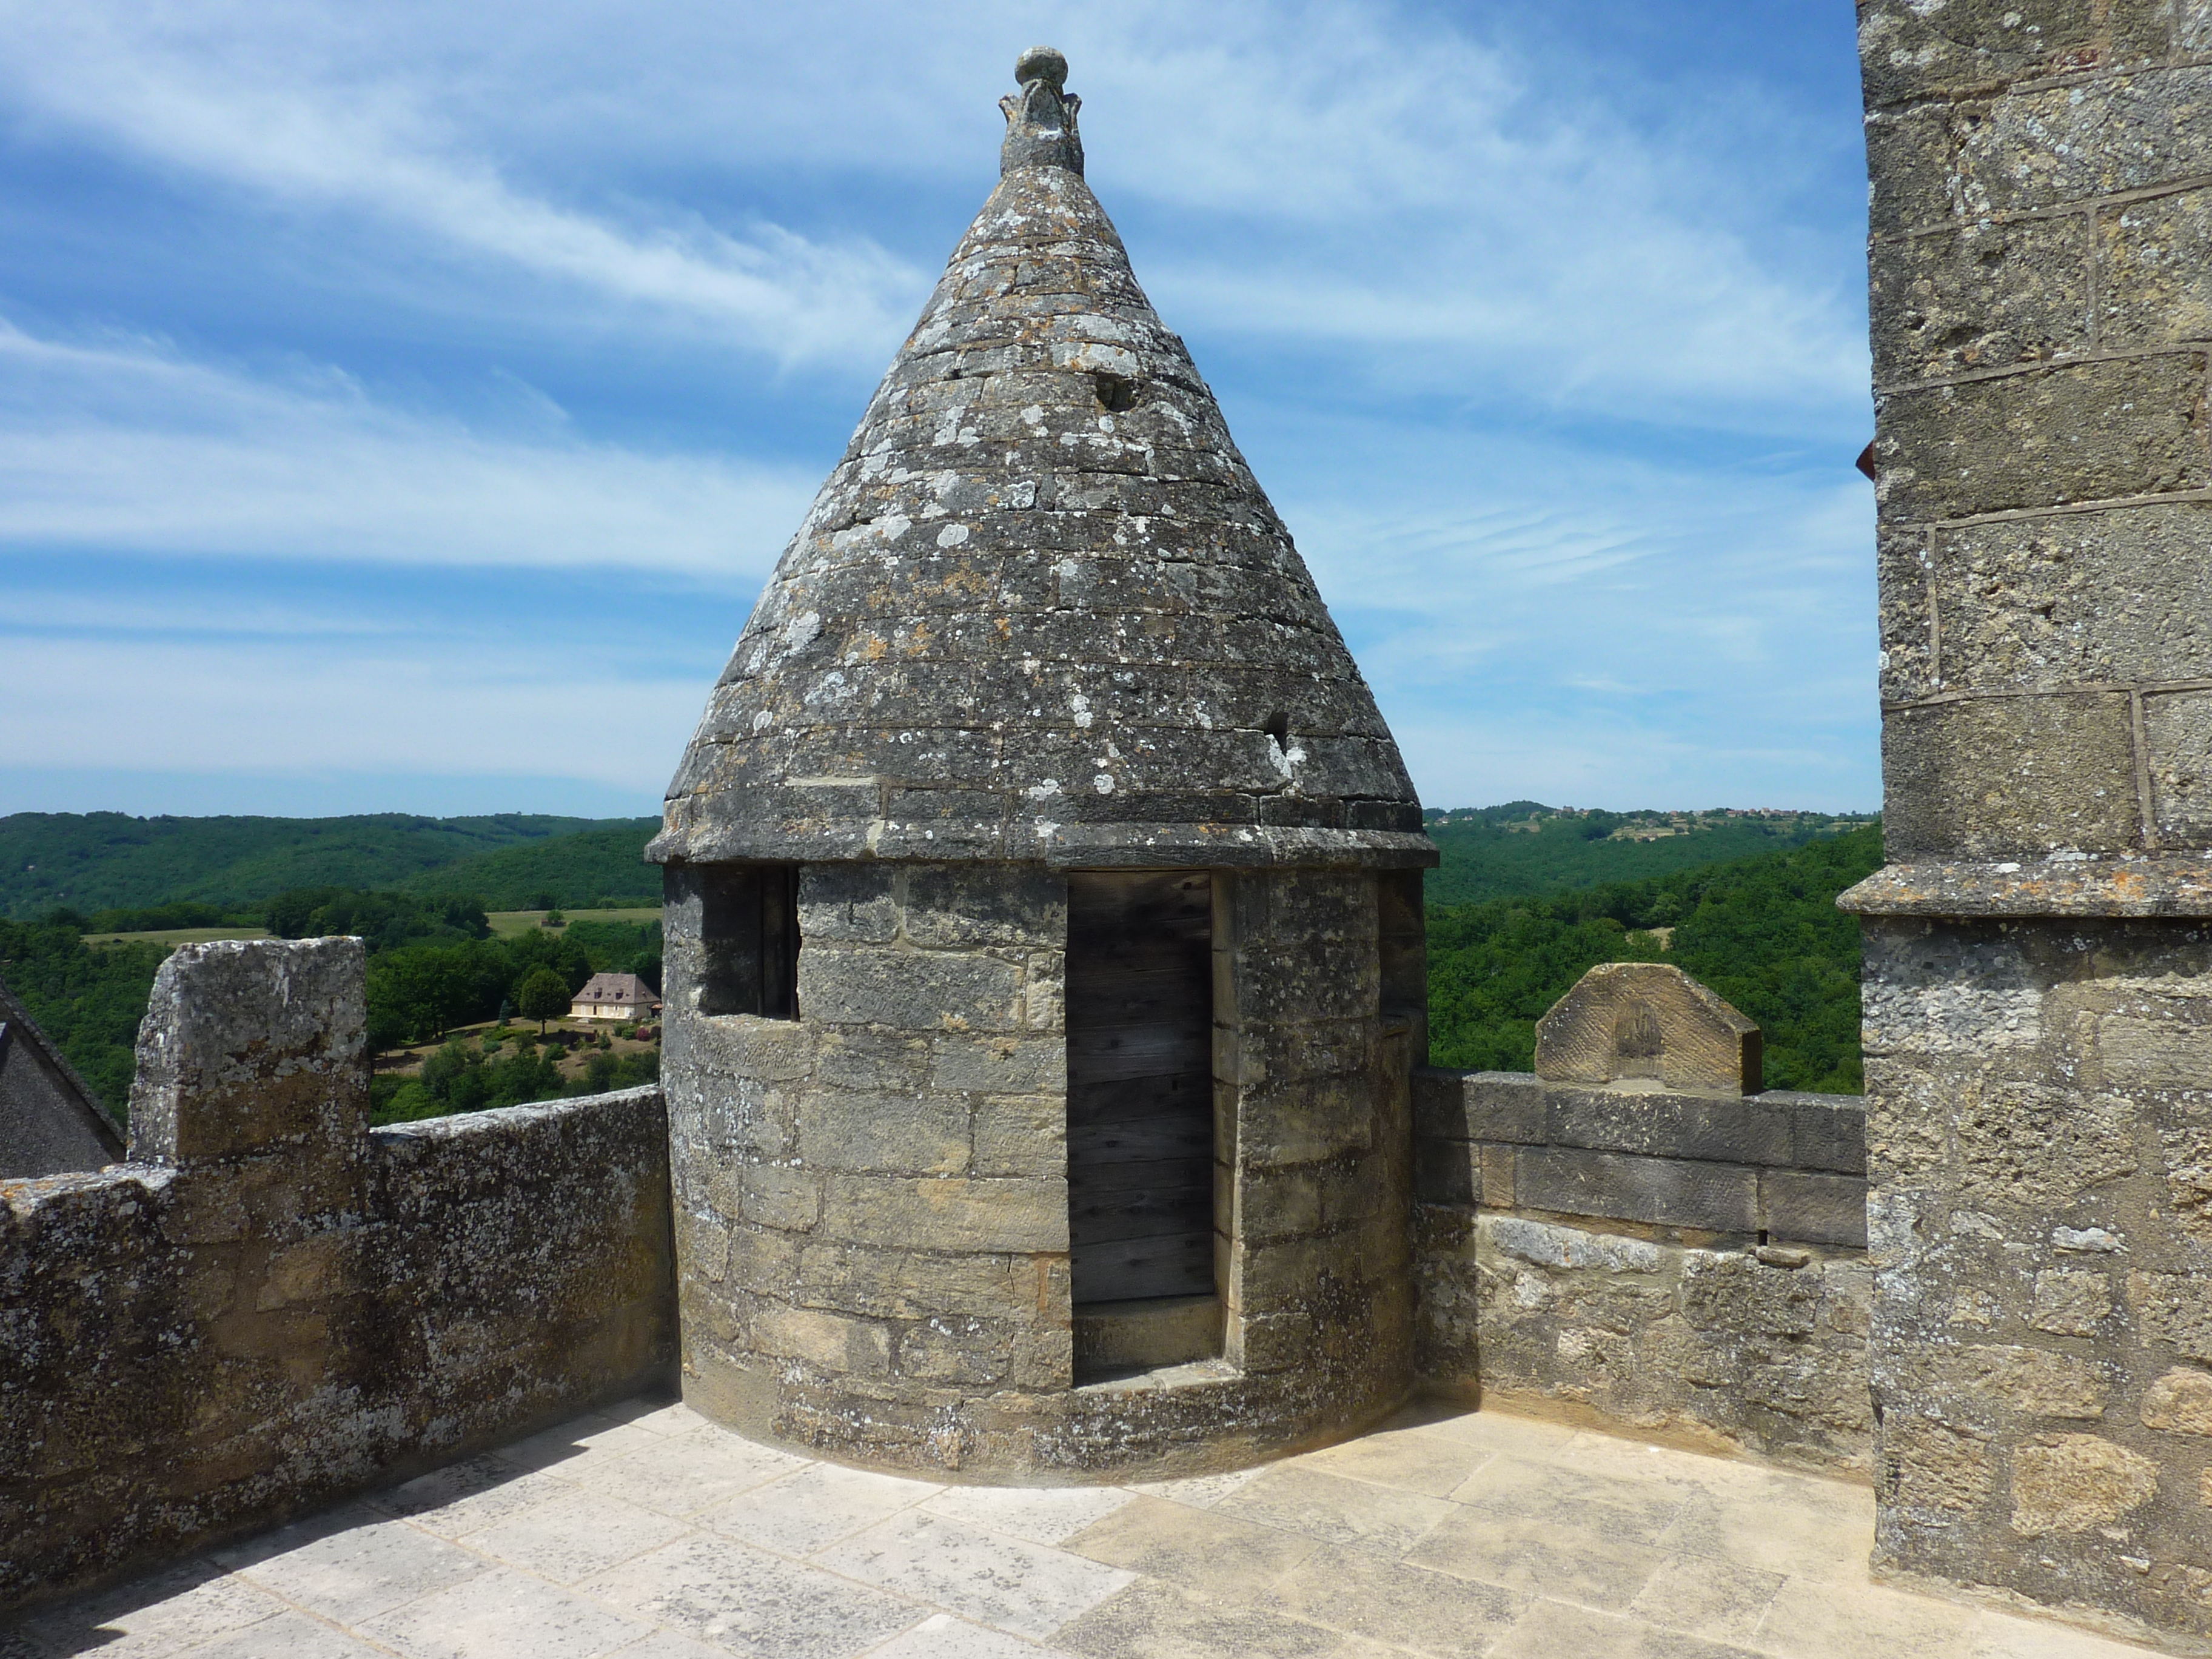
(648, 1533)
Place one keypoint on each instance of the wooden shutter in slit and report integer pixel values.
(1140, 1083)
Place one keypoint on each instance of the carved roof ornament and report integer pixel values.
(1041, 117)
(1627, 1022)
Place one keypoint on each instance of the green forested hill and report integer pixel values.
(605, 861)
(94, 862)
(1498, 852)
(1764, 931)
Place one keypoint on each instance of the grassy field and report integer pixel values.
(510, 924)
(178, 935)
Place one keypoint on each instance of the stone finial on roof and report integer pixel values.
(1647, 1019)
(1041, 117)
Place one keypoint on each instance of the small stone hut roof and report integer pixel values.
(1041, 609)
(50, 1120)
(616, 987)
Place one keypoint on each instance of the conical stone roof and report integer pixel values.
(1041, 609)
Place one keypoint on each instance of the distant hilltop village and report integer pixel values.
(1646, 823)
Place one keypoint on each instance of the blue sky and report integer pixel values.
(401, 405)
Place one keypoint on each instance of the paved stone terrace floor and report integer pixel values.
(649, 1533)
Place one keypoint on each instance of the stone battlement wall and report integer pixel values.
(1682, 1260)
(274, 1303)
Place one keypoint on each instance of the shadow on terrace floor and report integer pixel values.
(647, 1531)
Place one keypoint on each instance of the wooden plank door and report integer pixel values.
(1140, 1083)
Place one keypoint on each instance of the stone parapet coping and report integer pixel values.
(1782, 1165)
(2085, 885)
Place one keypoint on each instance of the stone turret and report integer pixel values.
(1044, 937)
(1041, 609)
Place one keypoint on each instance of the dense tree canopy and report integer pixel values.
(1763, 931)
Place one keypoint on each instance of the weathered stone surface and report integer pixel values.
(1666, 1192)
(2039, 605)
(2068, 884)
(2035, 1259)
(1938, 312)
(290, 1306)
(1907, 618)
(2177, 750)
(2028, 1382)
(1665, 1124)
(2124, 427)
(2175, 1310)
(2077, 1481)
(912, 990)
(1802, 1207)
(1763, 1346)
(1826, 1131)
(2037, 1074)
(2070, 1303)
(1507, 1106)
(897, 1286)
(1648, 1333)
(264, 1051)
(2043, 146)
(2152, 258)
(1647, 1019)
(1909, 50)
(2180, 1402)
(2009, 777)
(2039, 1146)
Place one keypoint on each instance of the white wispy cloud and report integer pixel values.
(272, 105)
(266, 707)
(119, 443)
(1332, 173)
(1346, 204)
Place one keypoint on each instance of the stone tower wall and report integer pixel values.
(2039, 977)
(872, 1200)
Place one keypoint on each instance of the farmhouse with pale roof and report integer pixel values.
(614, 996)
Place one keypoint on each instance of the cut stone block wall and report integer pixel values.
(2042, 325)
(872, 1200)
(2040, 1134)
(1685, 1262)
(272, 1304)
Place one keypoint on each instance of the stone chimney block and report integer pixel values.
(252, 1045)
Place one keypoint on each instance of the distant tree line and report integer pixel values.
(1764, 931)
(1494, 854)
(432, 966)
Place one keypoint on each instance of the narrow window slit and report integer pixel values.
(748, 935)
